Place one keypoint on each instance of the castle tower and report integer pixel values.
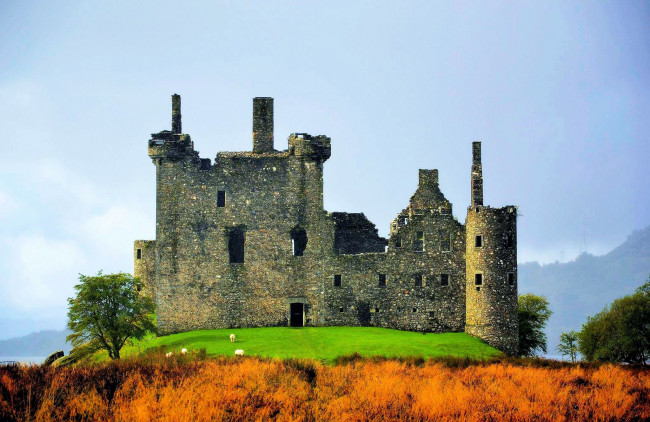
(491, 267)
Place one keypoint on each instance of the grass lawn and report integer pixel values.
(323, 343)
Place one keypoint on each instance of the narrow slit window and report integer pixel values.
(478, 279)
(236, 240)
(138, 253)
(418, 246)
(417, 280)
(221, 198)
(432, 314)
(444, 279)
(381, 280)
(510, 240)
(511, 279)
(478, 241)
(337, 280)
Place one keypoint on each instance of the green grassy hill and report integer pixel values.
(323, 343)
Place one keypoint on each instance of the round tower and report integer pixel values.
(491, 268)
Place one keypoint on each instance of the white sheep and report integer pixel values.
(233, 338)
(168, 354)
(239, 352)
(183, 351)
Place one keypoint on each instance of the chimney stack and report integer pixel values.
(477, 175)
(176, 114)
(262, 124)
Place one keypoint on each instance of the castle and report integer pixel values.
(245, 242)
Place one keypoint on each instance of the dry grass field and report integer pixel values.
(189, 388)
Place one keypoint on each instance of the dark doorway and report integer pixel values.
(296, 315)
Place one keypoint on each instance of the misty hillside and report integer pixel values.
(583, 287)
(40, 343)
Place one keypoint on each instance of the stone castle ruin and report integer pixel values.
(245, 242)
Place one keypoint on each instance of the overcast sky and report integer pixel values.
(557, 91)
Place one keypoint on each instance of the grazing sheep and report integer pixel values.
(168, 354)
(183, 351)
(239, 352)
(233, 338)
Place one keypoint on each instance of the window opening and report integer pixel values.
(478, 241)
(398, 242)
(419, 242)
(236, 240)
(444, 279)
(382, 280)
(415, 309)
(445, 240)
(478, 279)
(337, 280)
(340, 309)
(510, 240)
(138, 253)
(418, 280)
(221, 198)
(511, 279)
(298, 241)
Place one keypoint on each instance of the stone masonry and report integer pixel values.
(244, 241)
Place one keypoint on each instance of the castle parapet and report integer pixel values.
(315, 147)
(172, 144)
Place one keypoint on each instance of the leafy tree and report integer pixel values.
(533, 312)
(569, 344)
(621, 331)
(107, 311)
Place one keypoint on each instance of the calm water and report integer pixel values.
(25, 359)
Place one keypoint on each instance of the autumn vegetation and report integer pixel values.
(195, 387)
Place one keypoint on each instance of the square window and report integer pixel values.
(511, 279)
(382, 280)
(478, 242)
(444, 279)
(376, 310)
(415, 309)
(478, 279)
(221, 198)
(337, 280)
(418, 280)
(341, 309)
(138, 253)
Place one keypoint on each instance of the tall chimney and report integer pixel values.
(262, 124)
(477, 175)
(176, 114)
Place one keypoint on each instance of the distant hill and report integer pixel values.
(582, 287)
(40, 343)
